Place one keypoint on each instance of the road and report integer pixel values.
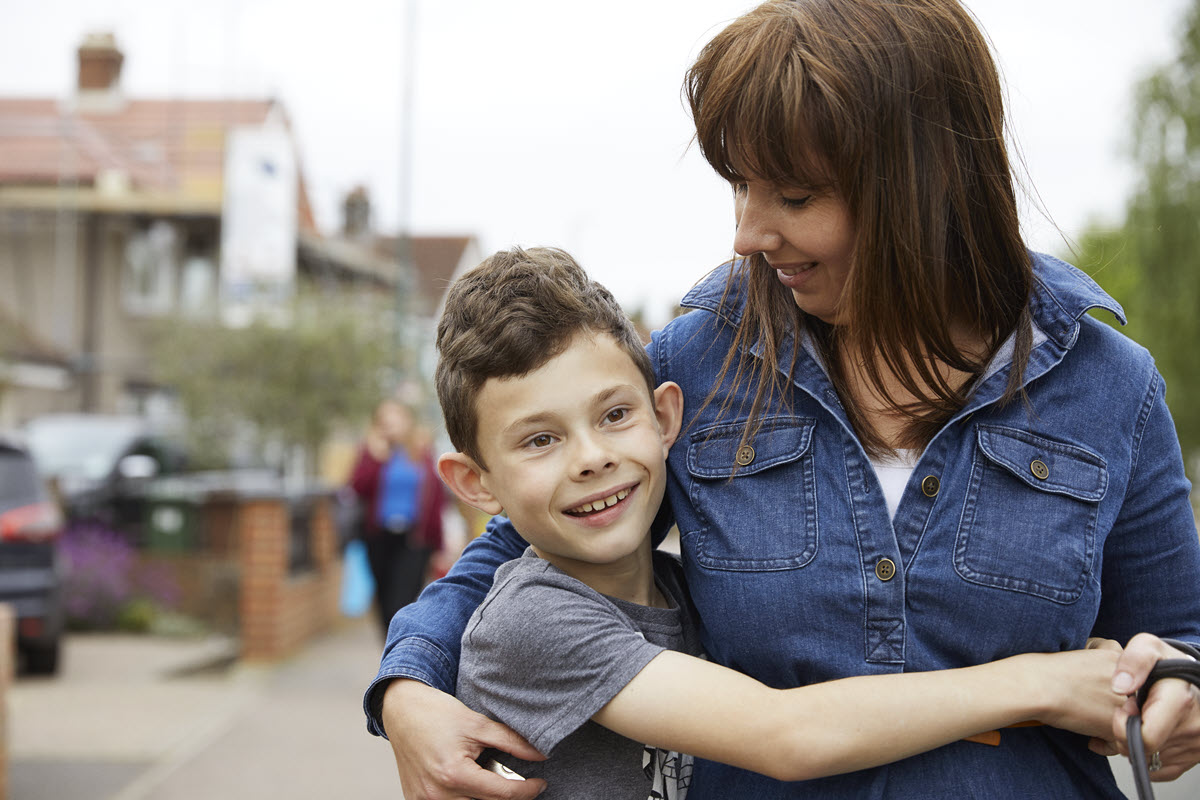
(140, 718)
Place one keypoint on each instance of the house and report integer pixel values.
(117, 213)
(434, 260)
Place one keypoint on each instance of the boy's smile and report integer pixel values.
(593, 509)
(575, 455)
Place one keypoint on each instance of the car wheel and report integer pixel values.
(42, 659)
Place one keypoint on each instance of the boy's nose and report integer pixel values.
(592, 456)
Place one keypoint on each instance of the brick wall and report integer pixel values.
(277, 611)
(8, 657)
(237, 578)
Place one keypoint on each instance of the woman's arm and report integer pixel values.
(1151, 582)
(364, 479)
(692, 706)
(435, 738)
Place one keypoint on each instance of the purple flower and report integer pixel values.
(104, 574)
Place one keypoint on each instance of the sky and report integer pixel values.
(543, 122)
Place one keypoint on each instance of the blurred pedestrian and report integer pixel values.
(388, 480)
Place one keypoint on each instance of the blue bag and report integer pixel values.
(358, 586)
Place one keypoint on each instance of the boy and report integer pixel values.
(549, 399)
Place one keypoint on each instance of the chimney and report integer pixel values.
(356, 214)
(99, 63)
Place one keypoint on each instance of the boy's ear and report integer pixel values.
(668, 408)
(464, 477)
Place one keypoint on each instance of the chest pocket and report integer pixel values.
(755, 504)
(1029, 519)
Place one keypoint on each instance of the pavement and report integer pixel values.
(150, 718)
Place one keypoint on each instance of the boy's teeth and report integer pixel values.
(601, 504)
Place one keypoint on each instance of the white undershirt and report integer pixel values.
(893, 473)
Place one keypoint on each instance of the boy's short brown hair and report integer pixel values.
(509, 316)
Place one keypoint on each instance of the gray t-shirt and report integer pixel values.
(544, 652)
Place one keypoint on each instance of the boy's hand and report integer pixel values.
(1171, 714)
(1080, 694)
(1101, 744)
(436, 740)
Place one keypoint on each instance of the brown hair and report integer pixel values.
(509, 316)
(895, 106)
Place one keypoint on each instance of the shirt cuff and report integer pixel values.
(415, 658)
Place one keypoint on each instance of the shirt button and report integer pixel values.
(1039, 469)
(745, 455)
(931, 485)
(885, 570)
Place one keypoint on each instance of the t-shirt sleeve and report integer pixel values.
(543, 655)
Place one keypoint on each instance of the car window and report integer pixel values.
(19, 481)
(87, 448)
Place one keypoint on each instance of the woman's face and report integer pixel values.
(395, 423)
(806, 238)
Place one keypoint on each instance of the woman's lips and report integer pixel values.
(794, 275)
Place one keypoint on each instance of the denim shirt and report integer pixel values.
(1024, 528)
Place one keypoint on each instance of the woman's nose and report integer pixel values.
(756, 231)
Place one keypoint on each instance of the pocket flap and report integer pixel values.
(714, 451)
(1045, 464)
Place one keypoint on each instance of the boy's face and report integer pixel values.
(576, 454)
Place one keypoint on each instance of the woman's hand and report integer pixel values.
(1171, 714)
(436, 740)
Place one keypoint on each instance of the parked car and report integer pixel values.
(30, 563)
(99, 464)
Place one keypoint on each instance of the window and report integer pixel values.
(149, 280)
(198, 286)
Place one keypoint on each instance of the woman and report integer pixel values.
(401, 524)
(906, 445)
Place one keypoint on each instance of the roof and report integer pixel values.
(436, 259)
(171, 152)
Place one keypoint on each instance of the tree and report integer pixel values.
(286, 384)
(1151, 264)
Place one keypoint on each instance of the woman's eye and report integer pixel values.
(797, 202)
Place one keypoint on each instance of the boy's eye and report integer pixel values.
(541, 440)
(616, 415)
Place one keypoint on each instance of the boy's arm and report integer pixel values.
(435, 738)
(692, 706)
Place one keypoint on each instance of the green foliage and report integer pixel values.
(137, 615)
(1151, 265)
(289, 383)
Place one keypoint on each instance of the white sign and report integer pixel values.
(258, 223)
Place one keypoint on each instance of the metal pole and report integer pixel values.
(405, 267)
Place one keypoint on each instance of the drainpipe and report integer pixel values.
(87, 368)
